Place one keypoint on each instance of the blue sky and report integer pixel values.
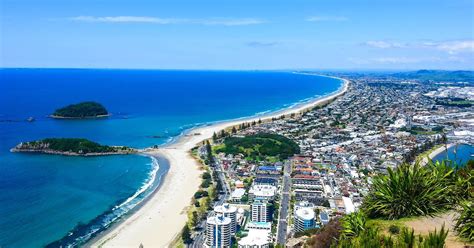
(238, 34)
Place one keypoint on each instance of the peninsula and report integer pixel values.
(81, 110)
(71, 147)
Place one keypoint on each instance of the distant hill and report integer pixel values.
(438, 75)
(81, 110)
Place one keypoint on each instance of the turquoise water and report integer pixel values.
(43, 197)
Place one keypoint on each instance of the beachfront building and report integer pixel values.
(259, 235)
(256, 239)
(218, 234)
(262, 191)
(230, 212)
(261, 211)
(303, 204)
(304, 219)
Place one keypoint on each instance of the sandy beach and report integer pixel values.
(161, 218)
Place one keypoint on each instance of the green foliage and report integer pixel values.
(206, 175)
(75, 145)
(261, 145)
(412, 190)
(81, 110)
(186, 235)
(206, 183)
(362, 236)
(435, 239)
(394, 229)
(200, 194)
(353, 224)
(465, 221)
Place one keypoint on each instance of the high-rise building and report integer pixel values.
(218, 233)
(228, 211)
(261, 211)
(304, 219)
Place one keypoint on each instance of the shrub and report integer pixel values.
(411, 190)
(435, 239)
(353, 224)
(328, 235)
(465, 222)
(394, 229)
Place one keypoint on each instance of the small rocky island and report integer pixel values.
(81, 110)
(71, 147)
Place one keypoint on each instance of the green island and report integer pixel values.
(71, 147)
(259, 146)
(81, 110)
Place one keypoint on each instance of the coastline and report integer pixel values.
(58, 117)
(160, 219)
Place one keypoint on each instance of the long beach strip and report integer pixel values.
(161, 218)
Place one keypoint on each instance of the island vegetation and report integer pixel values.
(71, 147)
(81, 110)
(259, 146)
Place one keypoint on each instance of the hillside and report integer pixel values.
(70, 146)
(81, 110)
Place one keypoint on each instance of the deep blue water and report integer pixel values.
(459, 154)
(42, 197)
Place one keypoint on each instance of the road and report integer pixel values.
(284, 205)
(200, 237)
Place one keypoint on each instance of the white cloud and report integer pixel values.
(394, 60)
(156, 20)
(384, 44)
(326, 18)
(451, 47)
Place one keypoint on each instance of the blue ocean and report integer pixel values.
(44, 198)
(460, 154)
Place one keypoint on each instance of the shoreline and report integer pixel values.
(160, 219)
(58, 117)
(440, 150)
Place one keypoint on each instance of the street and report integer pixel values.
(284, 205)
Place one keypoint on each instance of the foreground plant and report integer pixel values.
(465, 222)
(412, 190)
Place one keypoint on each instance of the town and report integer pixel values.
(278, 181)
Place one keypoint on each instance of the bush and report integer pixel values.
(200, 194)
(394, 229)
(206, 183)
(412, 190)
(206, 175)
(353, 224)
(328, 235)
(465, 222)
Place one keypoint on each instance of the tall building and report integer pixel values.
(218, 233)
(261, 211)
(228, 211)
(304, 219)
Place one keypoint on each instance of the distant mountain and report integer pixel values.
(438, 75)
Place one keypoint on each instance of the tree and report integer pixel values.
(259, 121)
(214, 137)
(186, 235)
(234, 130)
(210, 158)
